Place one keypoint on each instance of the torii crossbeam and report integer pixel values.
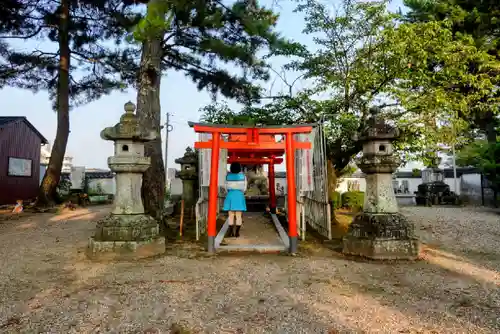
(253, 145)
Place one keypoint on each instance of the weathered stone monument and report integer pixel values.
(433, 190)
(127, 232)
(257, 181)
(432, 174)
(380, 231)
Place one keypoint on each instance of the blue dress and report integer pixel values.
(235, 198)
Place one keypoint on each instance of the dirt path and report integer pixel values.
(256, 230)
(47, 285)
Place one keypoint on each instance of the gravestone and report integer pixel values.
(127, 232)
(380, 231)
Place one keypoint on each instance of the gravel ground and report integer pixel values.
(47, 285)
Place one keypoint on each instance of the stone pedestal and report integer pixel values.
(126, 237)
(381, 236)
(127, 233)
(380, 232)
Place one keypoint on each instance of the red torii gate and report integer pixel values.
(253, 145)
(269, 158)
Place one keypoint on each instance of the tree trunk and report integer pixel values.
(149, 113)
(48, 189)
(332, 179)
(332, 186)
(491, 137)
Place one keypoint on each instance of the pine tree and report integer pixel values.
(198, 37)
(75, 68)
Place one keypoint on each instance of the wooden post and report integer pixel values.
(292, 193)
(182, 218)
(213, 192)
(482, 189)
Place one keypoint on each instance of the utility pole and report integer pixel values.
(168, 128)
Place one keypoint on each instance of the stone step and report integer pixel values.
(252, 248)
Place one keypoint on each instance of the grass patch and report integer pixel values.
(343, 219)
(172, 233)
(315, 243)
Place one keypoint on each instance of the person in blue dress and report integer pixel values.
(235, 203)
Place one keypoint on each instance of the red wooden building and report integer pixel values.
(20, 144)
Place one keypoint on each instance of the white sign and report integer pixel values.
(304, 163)
(19, 167)
(309, 174)
(205, 162)
(222, 166)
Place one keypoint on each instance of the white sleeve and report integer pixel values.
(245, 184)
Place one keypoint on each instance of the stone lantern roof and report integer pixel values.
(189, 158)
(376, 160)
(377, 128)
(128, 128)
(189, 163)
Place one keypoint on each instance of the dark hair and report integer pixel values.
(235, 168)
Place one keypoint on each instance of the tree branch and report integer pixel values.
(36, 32)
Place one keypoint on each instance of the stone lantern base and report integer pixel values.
(126, 237)
(381, 236)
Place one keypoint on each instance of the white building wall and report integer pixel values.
(412, 183)
(451, 183)
(472, 179)
(108, 185)
(77, 177)
(470, 183)
(343, 184)
(45, 152)
(470, 188)
(175, 186)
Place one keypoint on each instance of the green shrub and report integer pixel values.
(353, 200)
(416, 172)
(336, 200)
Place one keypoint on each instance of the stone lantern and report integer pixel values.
(380, 231)
(127, 228)
(189, 176)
